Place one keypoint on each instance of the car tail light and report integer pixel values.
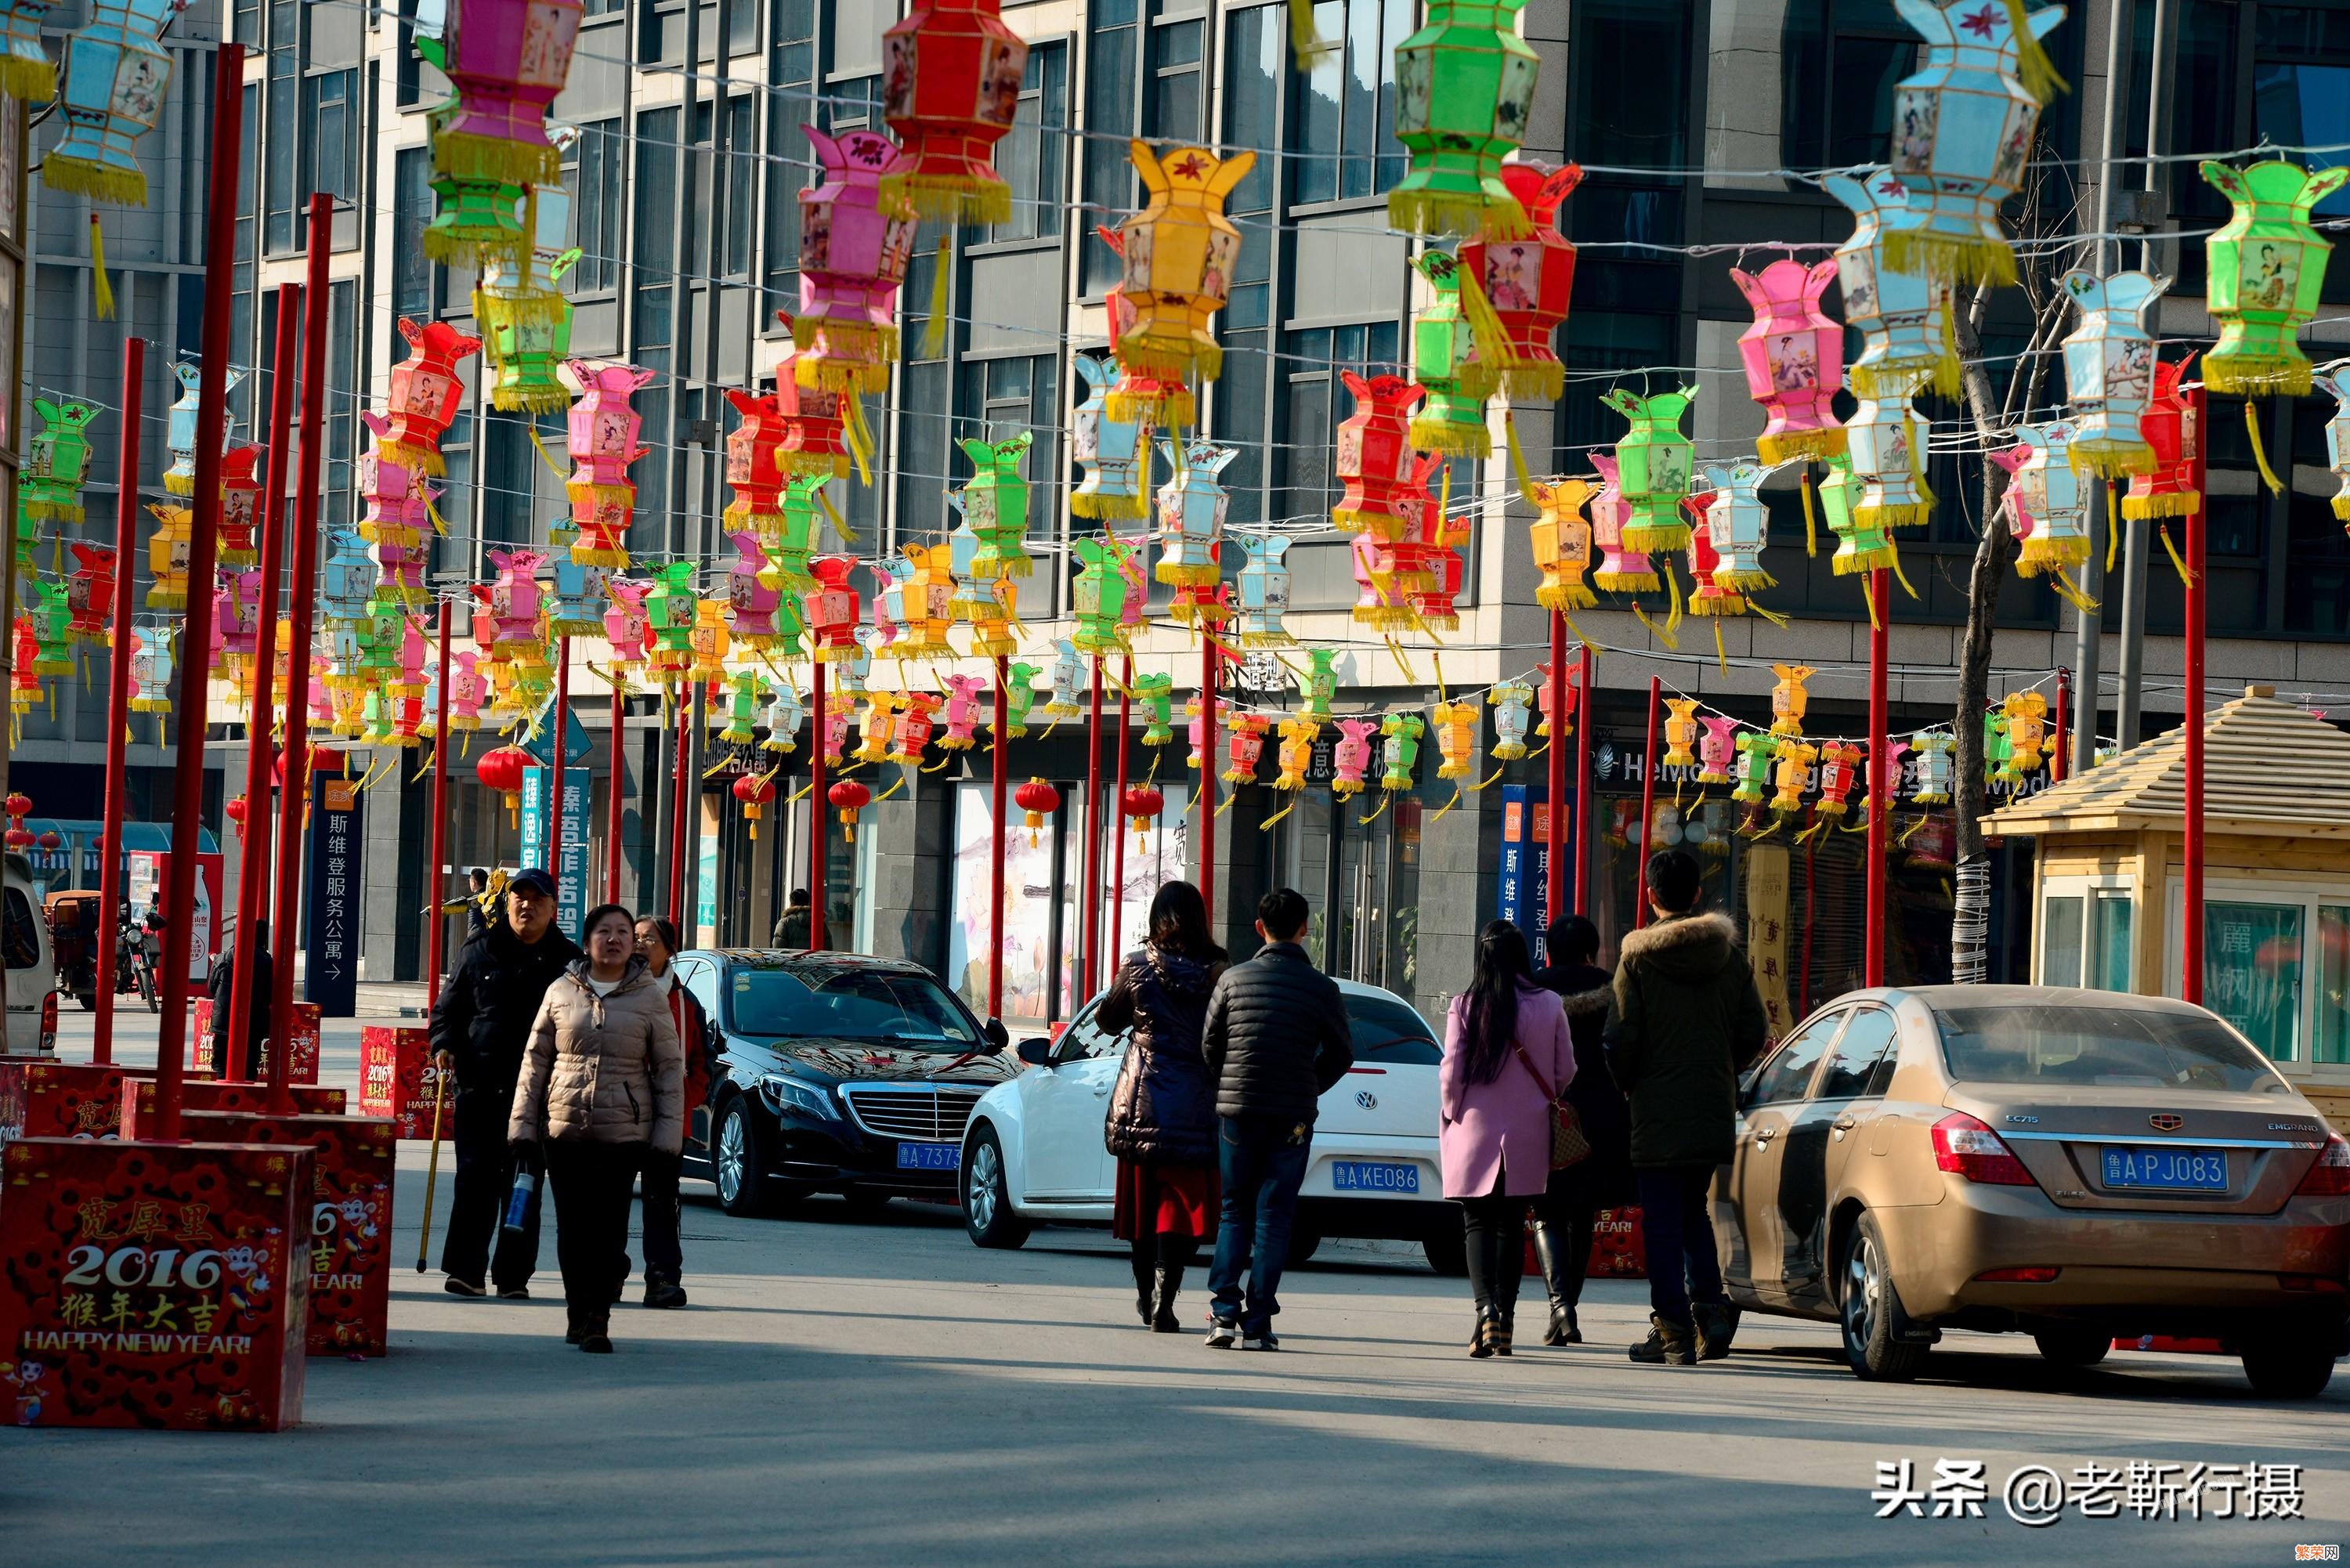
(2330, 1176)
(2316, 1282)
(2033, 1276)
(1965, 1146)
(49, 1022)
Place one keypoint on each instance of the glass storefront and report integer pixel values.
(1358, 863)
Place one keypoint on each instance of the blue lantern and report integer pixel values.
(1114, 453)
(1264, 592)
(115, 78)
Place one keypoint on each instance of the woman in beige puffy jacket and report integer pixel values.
(603, 1083)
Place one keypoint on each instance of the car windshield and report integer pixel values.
(1384, 1030)
(910, 1011)
(2088, 1045)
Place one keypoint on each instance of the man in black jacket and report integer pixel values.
(481, 1022)
(1568, 1211)
(1276, 1039)
(220, 985)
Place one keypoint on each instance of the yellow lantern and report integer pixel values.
(1179, 251)
(1680, 733)
(1456, 738)
(1789, 698)
(1791, 772)
(2027, 729)
(880, 722)
(710, 641)
(1562, 543)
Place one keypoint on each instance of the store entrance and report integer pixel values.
(1358, 868)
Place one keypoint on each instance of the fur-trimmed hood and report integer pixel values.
(1588, 1003)
(1689, 948)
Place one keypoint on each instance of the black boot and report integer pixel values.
(596, 1332)
(1550, 1255)
(1144, 1284)
(1481, 1336)
(1716, 1324)
(1502, 1328)
(1668, 1345)
(1168, 1280)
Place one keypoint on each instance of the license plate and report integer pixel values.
(1374, 1175)
(2174, 1170)
(929, 1156)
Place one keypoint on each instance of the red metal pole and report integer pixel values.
(612, 802)
(1116, 805)
(301, 597)
(1092, 902)
(195, 698)
(1647, 808)
(1207, 777)
(1555, 795)
(1002, 717)
(677, 822)
(819, 806)
(253, 876)
(2058, 750)
(555, 717)
(2191, 849)
(1880, 790)
(118, 693)
(1582, 847)
(435, 927)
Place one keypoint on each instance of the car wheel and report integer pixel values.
(1447, 1251)
(987, 1195)
(1305, 1241)
(738, 1161)
(1871, 1312)
(2073, 1344)
(2293, 1368)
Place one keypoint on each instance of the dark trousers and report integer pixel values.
(1261, 1162)
(477, 1197)
(1170, 1249)
(1565, 1215)
(1678, 1230)
(664, 1249)
(1495, 1228)
(592, 1183)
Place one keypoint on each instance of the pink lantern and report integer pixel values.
(425, 391)
(1351, 755)
(397, 497)
(964, 695)
(603, 432)
(814, 434)
(854, 247)
(399, 576)
(1717, 750)
(513, 597)
(237, 619)
(467, 691)
(832, 609)
(626, 623)
(506, 60)
(2013, 500)
(1620, 570)
(751, 604)
(1795, 359)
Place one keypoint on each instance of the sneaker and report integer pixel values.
(597, 1344)
(664, 1293)
(1265, 1341)
(457, 1287)
(1223, 1335)
(516, 1294)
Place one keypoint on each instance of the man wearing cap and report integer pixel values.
(481, 1022)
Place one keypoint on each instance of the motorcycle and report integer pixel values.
(138, 954)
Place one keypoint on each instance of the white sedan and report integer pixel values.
(1033, 1152)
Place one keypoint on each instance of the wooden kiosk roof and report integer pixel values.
(2271, 769)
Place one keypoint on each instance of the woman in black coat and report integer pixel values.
(1162, 1114)
(1569, 1207)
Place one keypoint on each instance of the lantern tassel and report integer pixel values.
(1505, 369)
(1811, 517)
(860, 444)
(1230, 796)
(1720, 654)
(2185, 578)
(2260, 454)
(1946, 369)
(934, 329)
(1387, 798)
(1518, 461)
(1277, 816)
(543, 456)
(1448, 805)
(2113, 525)
(2033, 68)
(102, 284)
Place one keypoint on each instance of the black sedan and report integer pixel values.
(834, 1073)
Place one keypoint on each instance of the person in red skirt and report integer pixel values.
(1162, 1114)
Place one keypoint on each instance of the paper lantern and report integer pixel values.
(2267, 269)
(1653, 462)
(150, 670)
(754, 790)
(1858, 548)
(52, 618)
(1512, 703)
(1321, 685)
(24, 681)
(426, 394)
(1382, 603)
(1203, 605)
(1374, 458)
(2171, 427)
(1681, 733)
(1465, 90)
(996, 620)
(1903, 316)
(950, 76)
(575, 606)
(514, 596)
(1542, 698)
(1243, 747)
(397, 499)
(1162, 402)
(1708, 597)
(996, 504)
(1793, 356)
(1350, 756)
(400, 579)
(733, 707)
(928, 604)
(2048, 488)
(1294, 757)
(111, 92)
(1452, 420)
(1886, 442)
(1717, 750)
(89, 592)
(965, 695)
(1887, 777)
(1098, 599)
(1264, 592)
(710, 641)
(2027, 729)
(1401, 733)
(854, 246)
(1039, 800)
(1739, 525)
(239, 513)
(525, 319)
(1934, 768)
(468, 690)
(1756, 752)
(1154, 697)
(506, 60)
(1067, 700)
(815, 438)
(1179, 251)
(2335, 379)
(880, 726)
(1998, 755)
(1433, 602)
(1456, 738)
(2109, 371)
(1191, 508)
(784, 711)
(1019, 696)
(602, 431)
(1141, 804)
(1195, 729)
(752, 601)
(56, 461)
(1114, 453)
(179, 426)
(1789, 698)
(500, 769)
(753, 465)
(167, 557)
(24, 69)
(1962, 124)
(1621, 570)
(848, 797)
(1838, 760)
(1516, 285)
(832, 610)
(1562, 545)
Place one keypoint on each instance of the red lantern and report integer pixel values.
(236, 810)
(1142, 804)
(18, 837)
(90, 593)
(240, 506)
(950, 85)
(50, 839)
(1039, 800)
(501, 771)
(752, 470)
(849, 798)
(1522, 284)
(814, 438)
(754, 790)
(2168, 425)
(425, 393)
(832, 609)
(1374, 458)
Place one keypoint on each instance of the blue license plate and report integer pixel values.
(929, 1156)
(2170, 1169)
(1374, 1175)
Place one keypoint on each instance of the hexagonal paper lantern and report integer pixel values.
(996, 504)
(832, 610)
(1707, 597)
(2049, 489)
(1621, 570)
(1191, 508)
(506, 60)
(1901, 316)
(179, 426)
(2267, 268)
(1793, 356)
(950, 74)
(1464, 90)
(1350, 756)
(1452, 421)
(928, 604)
(167, 557)
(1264, 592)
(854, 246)
(2109, 371)
(1887, 440)
(1374, 458)
(1738, 526)
(815, 438)
(111, 92)
(1294, 756)
(601, 432)
(25, 71)
(89, 592)
(1243, 747)
(1653, 461)
(1097, 598)
(1382, 601)
(2335, 378)
(426, 393)
(1163, 402)
(1178, 251)
(239, 513)
(1681, 733)
(1113, 453)
(1562, 545)
(1516, 288)
(2172, 427)
(150, 669)
(519, 301)
(754, 474)
(1513, 702)
(1862, 542)
(57, 460)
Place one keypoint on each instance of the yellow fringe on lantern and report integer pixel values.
(2041, 553)
(98, 181)
(1951, 258)
(1903, 515)
(1566, 597)
(1890, 380)
(1182, 576)
(1744, 582)
(1625, 582)
(1858, 561)
(1172, 358)
(35, 81)
(2174, 504)
(1378, 524)
(616, 559)
(501, 160)
(56, 512)
(1807, 446)
(1416, 211)
(1109, 508)
(513, 395)
(2111, 458)
(522, 309)
(2257, 375)
(2260, 454)
(855, 355)
(2342, 506)
(1452, 438)
(951, 198)
(1166, 408)
(2186, 579)
(1656, 538)
(2033, 68)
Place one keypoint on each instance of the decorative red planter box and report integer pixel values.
(148, 1284)
(1618, 1249)
(350, 1218)
(306, 1041)
(205, 1095)
(41, 1099)
(397, 1079)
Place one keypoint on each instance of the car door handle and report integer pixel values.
(1764, 1135)
(1844, 1125)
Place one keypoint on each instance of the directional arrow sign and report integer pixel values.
(575, 746)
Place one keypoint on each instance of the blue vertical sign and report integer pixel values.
(330, 941)
(1525, 860)
(571, 873)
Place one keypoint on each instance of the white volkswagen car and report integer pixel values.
(1033, 1152)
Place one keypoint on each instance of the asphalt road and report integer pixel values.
(885, 1392)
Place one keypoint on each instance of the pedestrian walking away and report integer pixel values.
(1685, 1020)
(792, 927)
(1163, 1113)
(1567, 1213)
(657, 941)
(480, 1021)
(1275, 1041)
(602, 1086)
(220, 985)
(1507, 1059)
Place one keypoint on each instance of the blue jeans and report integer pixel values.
(1262, 1161)
(1677, 1226)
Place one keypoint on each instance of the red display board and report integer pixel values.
(63, 1099)
(204, 1094)
(397, 1079)
(306, 1041)
(148, 1284)
(350, 1218)
(1618, 1249)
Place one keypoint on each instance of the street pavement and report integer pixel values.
(884, 1393)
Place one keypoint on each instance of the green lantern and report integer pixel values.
(1321, 682)
(1097, 598)
(1862, 544)
(1401, 731)
(1464, 93)
(2267, 268)
(56, 463)
(1451, 421)
(1653, 461)
(669, 610)
(1019, 696)
(1756, 752)
(793, 538)
(996, 504)
(52, 623)
(1155, 695)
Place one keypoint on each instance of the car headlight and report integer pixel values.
(782, 1093)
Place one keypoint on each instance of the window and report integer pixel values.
(1176, 78)
(1009, 396)
(2060, 940)
(1256, 52)
(343, 400)
(2107, 965)
(908, 1011)
(1345, 123)
(655, 247)
(1839, 63)
(2251, 971)
(1032, 155)
(791, 66)
(2135, 1047)
(2333, 984)
(709, 166)
(284, 139)
(602, 152)
(1789, 1074)
(1386, 1030)
(411, 210)
(1110, 111)
(1853, 1068)
(2301, 85)
(330, 141)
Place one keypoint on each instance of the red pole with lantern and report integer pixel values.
(118, 695)
(819, 800)
(1092, 902)
(1582, 849)
(1002, 717)
(1881, 805)
(252, 834)
(1555, 775)
(681, 765)
(1207, 777)
(301, 597)
(436, 923)
(556, 716)
(1117, 794)
(612, 793)
(2058, 751)
(1647, 808)
(2190, 945)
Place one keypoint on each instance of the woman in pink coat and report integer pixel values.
(1507, 1055)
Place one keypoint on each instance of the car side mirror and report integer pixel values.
(997, 1036)
(1037, 1053)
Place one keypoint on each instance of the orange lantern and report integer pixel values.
(1179, 252)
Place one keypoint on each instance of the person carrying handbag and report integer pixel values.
(1508, 1056)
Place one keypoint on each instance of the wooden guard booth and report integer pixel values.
(2108, 886)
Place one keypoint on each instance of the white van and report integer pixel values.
(32, 972)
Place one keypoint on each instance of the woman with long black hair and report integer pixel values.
(1507, 1056)
(1162, 1114)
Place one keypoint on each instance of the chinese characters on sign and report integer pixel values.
(571, 875)
(2039, 1495)
(331, 934)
